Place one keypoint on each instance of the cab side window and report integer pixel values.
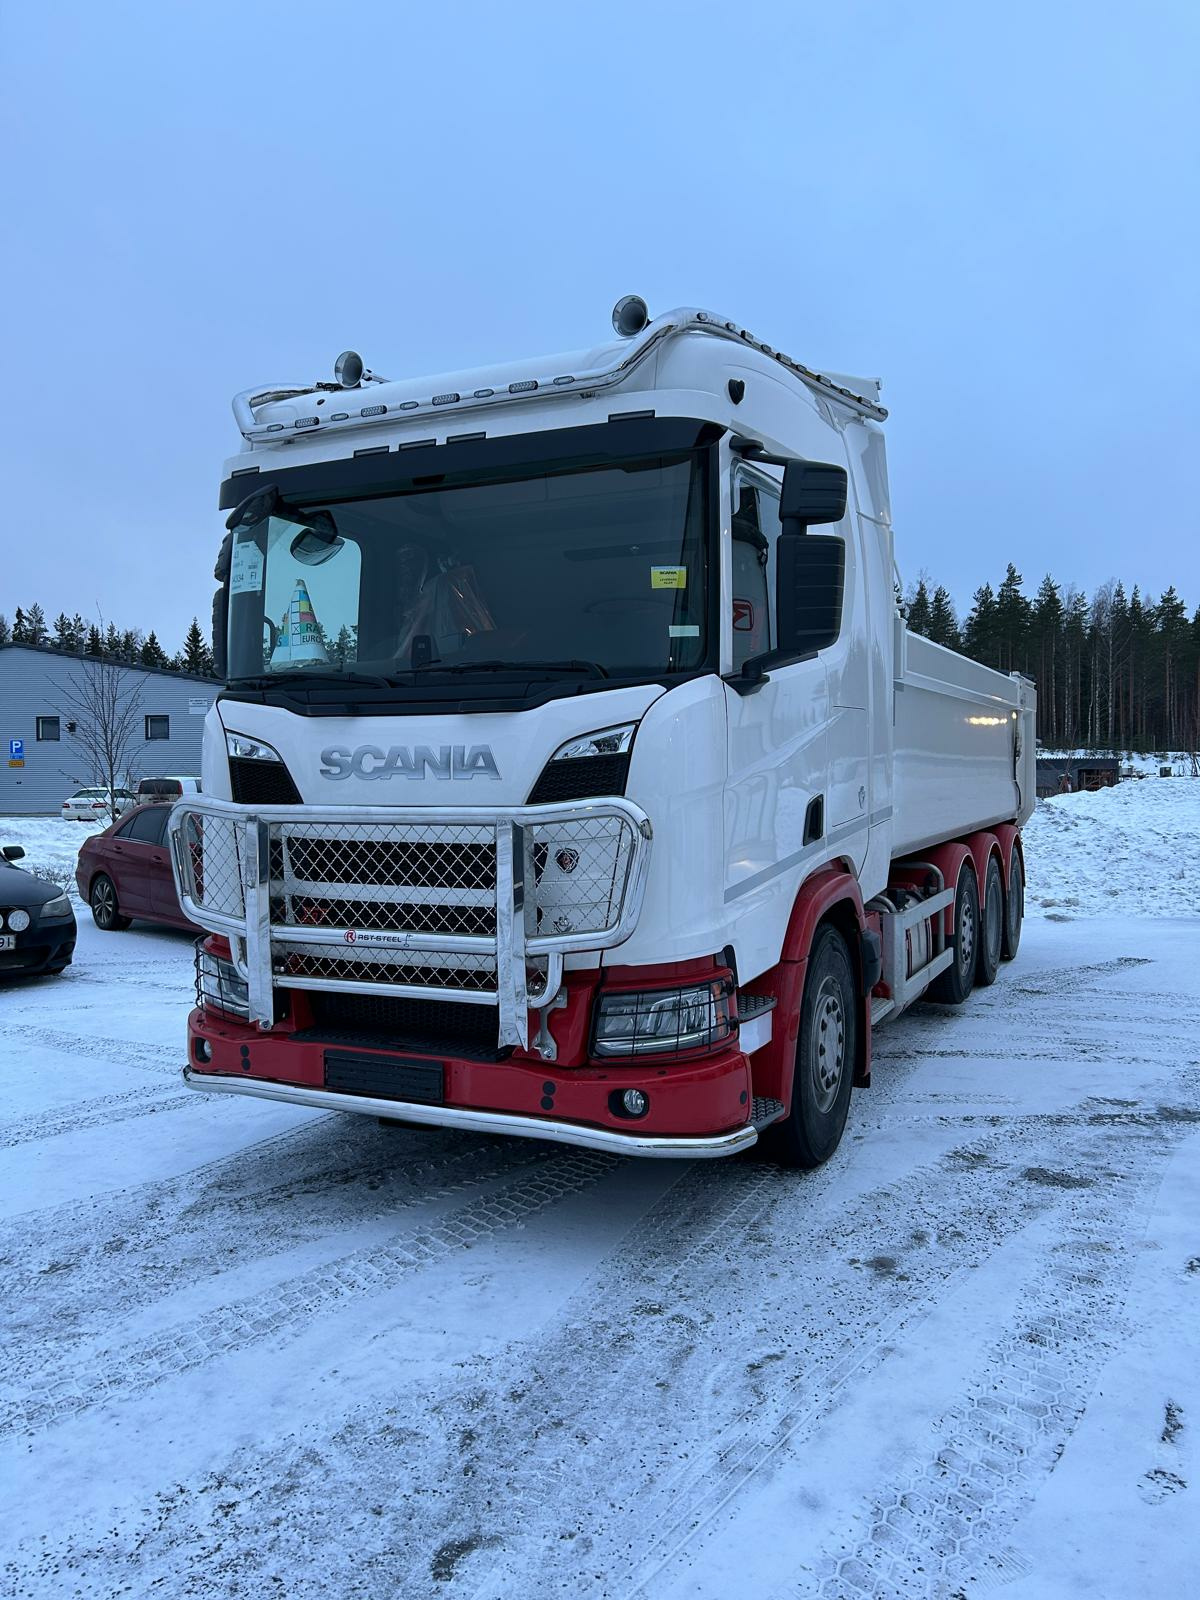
(754, 528)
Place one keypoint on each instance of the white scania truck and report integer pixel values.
(575, 774)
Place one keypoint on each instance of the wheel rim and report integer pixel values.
(966, 936)
(827, 1045)
(103, 901)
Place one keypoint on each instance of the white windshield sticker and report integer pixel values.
(246, 569)
(683, 630)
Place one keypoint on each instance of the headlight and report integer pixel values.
(56, 910)
(219, 984)
(18, 920)
(605, 742)
(247, 749)
(641, 1022)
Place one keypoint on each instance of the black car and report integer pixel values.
(37, 924)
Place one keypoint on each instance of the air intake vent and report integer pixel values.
(580, 778)
(262, 783)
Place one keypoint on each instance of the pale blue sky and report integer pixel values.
(995, 209)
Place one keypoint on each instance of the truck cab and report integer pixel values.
(560, 733)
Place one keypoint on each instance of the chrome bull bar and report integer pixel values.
(385, 900)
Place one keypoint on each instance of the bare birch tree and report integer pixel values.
(104, 701)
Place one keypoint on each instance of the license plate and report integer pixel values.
(8, 941)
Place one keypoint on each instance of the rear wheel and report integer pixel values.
(106, 913)
(1014, 906)
(825, 1056)
(991, 925)
(951, 988)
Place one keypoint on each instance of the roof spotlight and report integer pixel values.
(348, 369)
(630, 315)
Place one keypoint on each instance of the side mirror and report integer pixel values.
(220, 609)
(813, 492)
(13, 852)
(810, 582)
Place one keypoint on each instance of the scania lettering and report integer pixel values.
(575, 774)
(449, 761)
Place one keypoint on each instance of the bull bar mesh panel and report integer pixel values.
(441, 903)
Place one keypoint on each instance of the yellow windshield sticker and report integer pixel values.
(668, 577)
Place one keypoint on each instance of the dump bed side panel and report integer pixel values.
(957, 726)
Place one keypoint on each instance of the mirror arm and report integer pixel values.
(755, 450)
(756, 670)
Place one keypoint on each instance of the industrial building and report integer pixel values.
(44, 759)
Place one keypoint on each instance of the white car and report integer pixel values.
(92, 805)
(166, 789)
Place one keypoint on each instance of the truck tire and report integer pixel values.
(991, 925)
(951, 988)
(1014, 906)
(102, 897)
(826, 1050)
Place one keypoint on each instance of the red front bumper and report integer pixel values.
(699, 1107)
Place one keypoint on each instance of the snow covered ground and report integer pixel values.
(256, 1351)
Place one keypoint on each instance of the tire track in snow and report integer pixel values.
(124, 1370)
(97, 1113)
(283, 1193)
(938, 1529)
(113, 1052)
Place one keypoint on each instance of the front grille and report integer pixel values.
(419, 969)
(426, 1027)
(419, 863)
(261, 783)
(312, 911)
(580, 778)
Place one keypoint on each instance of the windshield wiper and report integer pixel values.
(269, 680)
(592, 668)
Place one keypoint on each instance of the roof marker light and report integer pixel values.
(567, 378)
(306, 422)
(483, 394)
(373, 411)
(446, 399)
(340, 416)
(523, 387)
(630, 315)
(408, 405)
(274, 427)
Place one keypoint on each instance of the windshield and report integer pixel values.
(601, 571)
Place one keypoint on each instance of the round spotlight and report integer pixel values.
(18, 920)
(348, 369)
(630, 316)
(202, 1051)
(567, 859)
(636, 1103)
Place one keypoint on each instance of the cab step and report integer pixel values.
(764, 1111)
(754, 1020)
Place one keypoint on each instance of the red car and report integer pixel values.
(125, 872)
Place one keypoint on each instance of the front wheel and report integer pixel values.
(826, 1051)
(105, 911)
(951, 988)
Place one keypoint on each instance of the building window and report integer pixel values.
(47, 728)
(158, 727)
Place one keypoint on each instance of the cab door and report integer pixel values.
(777, 737)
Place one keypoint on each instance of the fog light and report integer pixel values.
(202, 1051)
(636, 1104)
(567, 860)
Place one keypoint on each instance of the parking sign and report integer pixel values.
(16, 749)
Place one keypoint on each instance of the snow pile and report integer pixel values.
(51, 845)
(1132, 851)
